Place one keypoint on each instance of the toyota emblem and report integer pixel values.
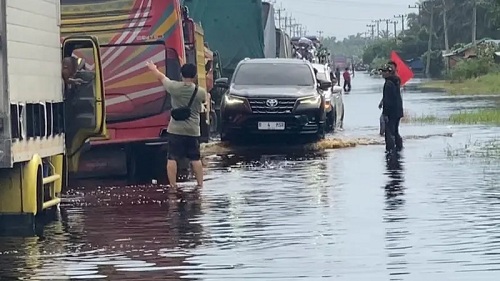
(272, 102)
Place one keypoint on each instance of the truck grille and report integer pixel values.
(283, 106)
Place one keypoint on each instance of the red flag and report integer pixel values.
(403, 71)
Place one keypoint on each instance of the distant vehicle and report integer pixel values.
(334, 102)
(273, 96)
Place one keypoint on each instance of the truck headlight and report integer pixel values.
(311, 100)
(232, 100)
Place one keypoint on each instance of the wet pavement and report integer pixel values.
(344, 214)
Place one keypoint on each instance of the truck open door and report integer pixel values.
(85, 109)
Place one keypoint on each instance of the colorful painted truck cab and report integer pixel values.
(130, 32)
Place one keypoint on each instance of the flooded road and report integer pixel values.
(345, 214)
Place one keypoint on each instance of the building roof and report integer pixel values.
(471, 45)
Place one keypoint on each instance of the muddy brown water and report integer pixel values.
(293, 214)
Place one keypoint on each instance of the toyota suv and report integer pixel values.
(273, 96)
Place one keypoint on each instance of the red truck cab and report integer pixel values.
(130, 32)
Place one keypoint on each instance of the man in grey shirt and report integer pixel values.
(184, 135)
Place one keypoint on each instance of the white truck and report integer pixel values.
(42, 129)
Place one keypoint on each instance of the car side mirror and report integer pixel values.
(222, 83)
(324, 85)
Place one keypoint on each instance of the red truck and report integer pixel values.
(130, 32)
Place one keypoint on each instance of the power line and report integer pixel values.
(329, 17)
(345, 2)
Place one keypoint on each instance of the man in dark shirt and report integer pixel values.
(392, 109)
(337, 75)
(395, 72)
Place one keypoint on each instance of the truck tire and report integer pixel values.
(213, 124)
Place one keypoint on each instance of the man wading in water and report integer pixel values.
(392, 109)
(183, 130)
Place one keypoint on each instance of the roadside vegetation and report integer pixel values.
(488, 84)
(485, 150)
(473, 117)
(451, 32)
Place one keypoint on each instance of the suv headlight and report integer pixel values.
(232, 100)
(311, 100)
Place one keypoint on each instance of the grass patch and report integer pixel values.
(489, 150)
(488, 84)
(480, 116)
(422, 119)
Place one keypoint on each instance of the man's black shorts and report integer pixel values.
(180, 147)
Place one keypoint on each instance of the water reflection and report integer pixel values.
(394, 189)
(118, 243)
(395, 218)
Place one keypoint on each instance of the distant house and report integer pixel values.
(467, 51)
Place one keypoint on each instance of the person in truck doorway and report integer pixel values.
(184, 126)
(347, 80)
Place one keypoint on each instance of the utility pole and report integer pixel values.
(387, 21)
(419, 7)
(395, 22)
(446, 41)
(278, 11)
(402, 21)
(429, 44)
(372, 27)
(378, 26)
(445, 27)
(474, 22)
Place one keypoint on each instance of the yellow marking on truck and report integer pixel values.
(109, 6)
(169, 22)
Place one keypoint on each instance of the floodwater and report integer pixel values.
(347, 214)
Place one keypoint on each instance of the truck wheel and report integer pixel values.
(213, 123)
(131, 166)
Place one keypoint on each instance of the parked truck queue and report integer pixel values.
(114, 120)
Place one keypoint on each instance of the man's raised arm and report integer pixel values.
(167, 83)
(154, 69)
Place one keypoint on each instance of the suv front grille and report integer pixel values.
(283, 106)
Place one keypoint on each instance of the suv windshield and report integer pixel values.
(274, 74)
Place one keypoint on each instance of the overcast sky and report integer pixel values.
(341, 18)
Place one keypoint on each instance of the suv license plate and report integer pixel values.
(273, 126)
